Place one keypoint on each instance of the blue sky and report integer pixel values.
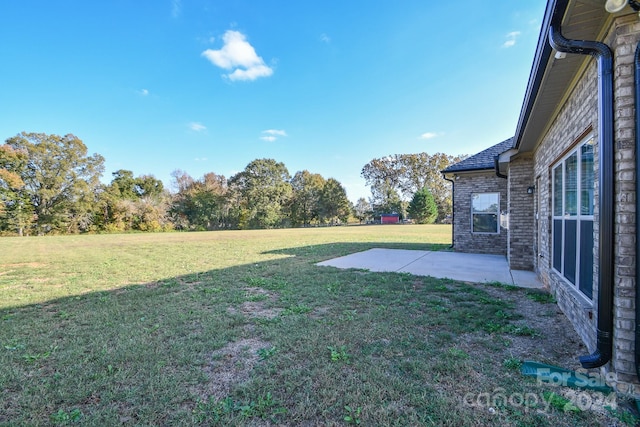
(209, 86)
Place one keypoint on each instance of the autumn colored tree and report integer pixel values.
(384, 179)
(49, 184)
(16, 211)
(201, 204)
(395, 179)
(59, 180)
(132, 203)
(422, 170)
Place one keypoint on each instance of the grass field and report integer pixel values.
(241, 328)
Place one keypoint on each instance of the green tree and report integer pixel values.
(334, 204)
(383, 177)
(201, 204)
(60, 180)
(148, 186)
(394, 179)
(389, 201)
(263, 194)
(132, 203)
(422, 207)
(305, 203)
(423, 170)
(362, 209)
(125, 186)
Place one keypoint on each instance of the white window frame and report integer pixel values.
(579, 217)
(497, 213)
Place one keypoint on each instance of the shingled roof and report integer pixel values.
(483, 160)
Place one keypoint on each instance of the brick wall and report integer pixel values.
(577, 115)
(623, 41)
(520, 205)
(464, 240)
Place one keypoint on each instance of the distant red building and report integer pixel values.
(389, 219)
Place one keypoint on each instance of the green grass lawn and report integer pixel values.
(241, 328)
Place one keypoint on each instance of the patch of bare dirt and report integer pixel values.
(229, 367)
(319, 312)
(260, 291)
(556, 341)
(257, 309)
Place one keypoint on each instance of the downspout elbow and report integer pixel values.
(602, 354)
(496, 166)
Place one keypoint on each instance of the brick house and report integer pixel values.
(479, 198)
(559, 198)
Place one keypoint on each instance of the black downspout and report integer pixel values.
(453, 211)
(604, 57)
(637, 132)
(496, 166)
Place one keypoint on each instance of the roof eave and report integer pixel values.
(540, 62)
(551, 79)
(451, 172)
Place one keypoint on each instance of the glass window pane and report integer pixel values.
(587, 179)
(572, 236)
(571, 185)
(557, 244)
(485, 223)
(485, 202)
(570, 241)
(586, 257)
(557, 191)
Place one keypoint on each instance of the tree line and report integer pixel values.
(408, 183)
(50, 185)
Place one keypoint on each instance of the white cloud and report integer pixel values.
(511, 39)
(428, 135)
(271, 135)
(200, 159)
(275, 132)
(325, 38)
(251, 73)
(198, 127)
(238, 55)
(143, 92)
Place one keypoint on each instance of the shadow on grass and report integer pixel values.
(280, 341)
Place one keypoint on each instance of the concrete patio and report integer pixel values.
(453, 265)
